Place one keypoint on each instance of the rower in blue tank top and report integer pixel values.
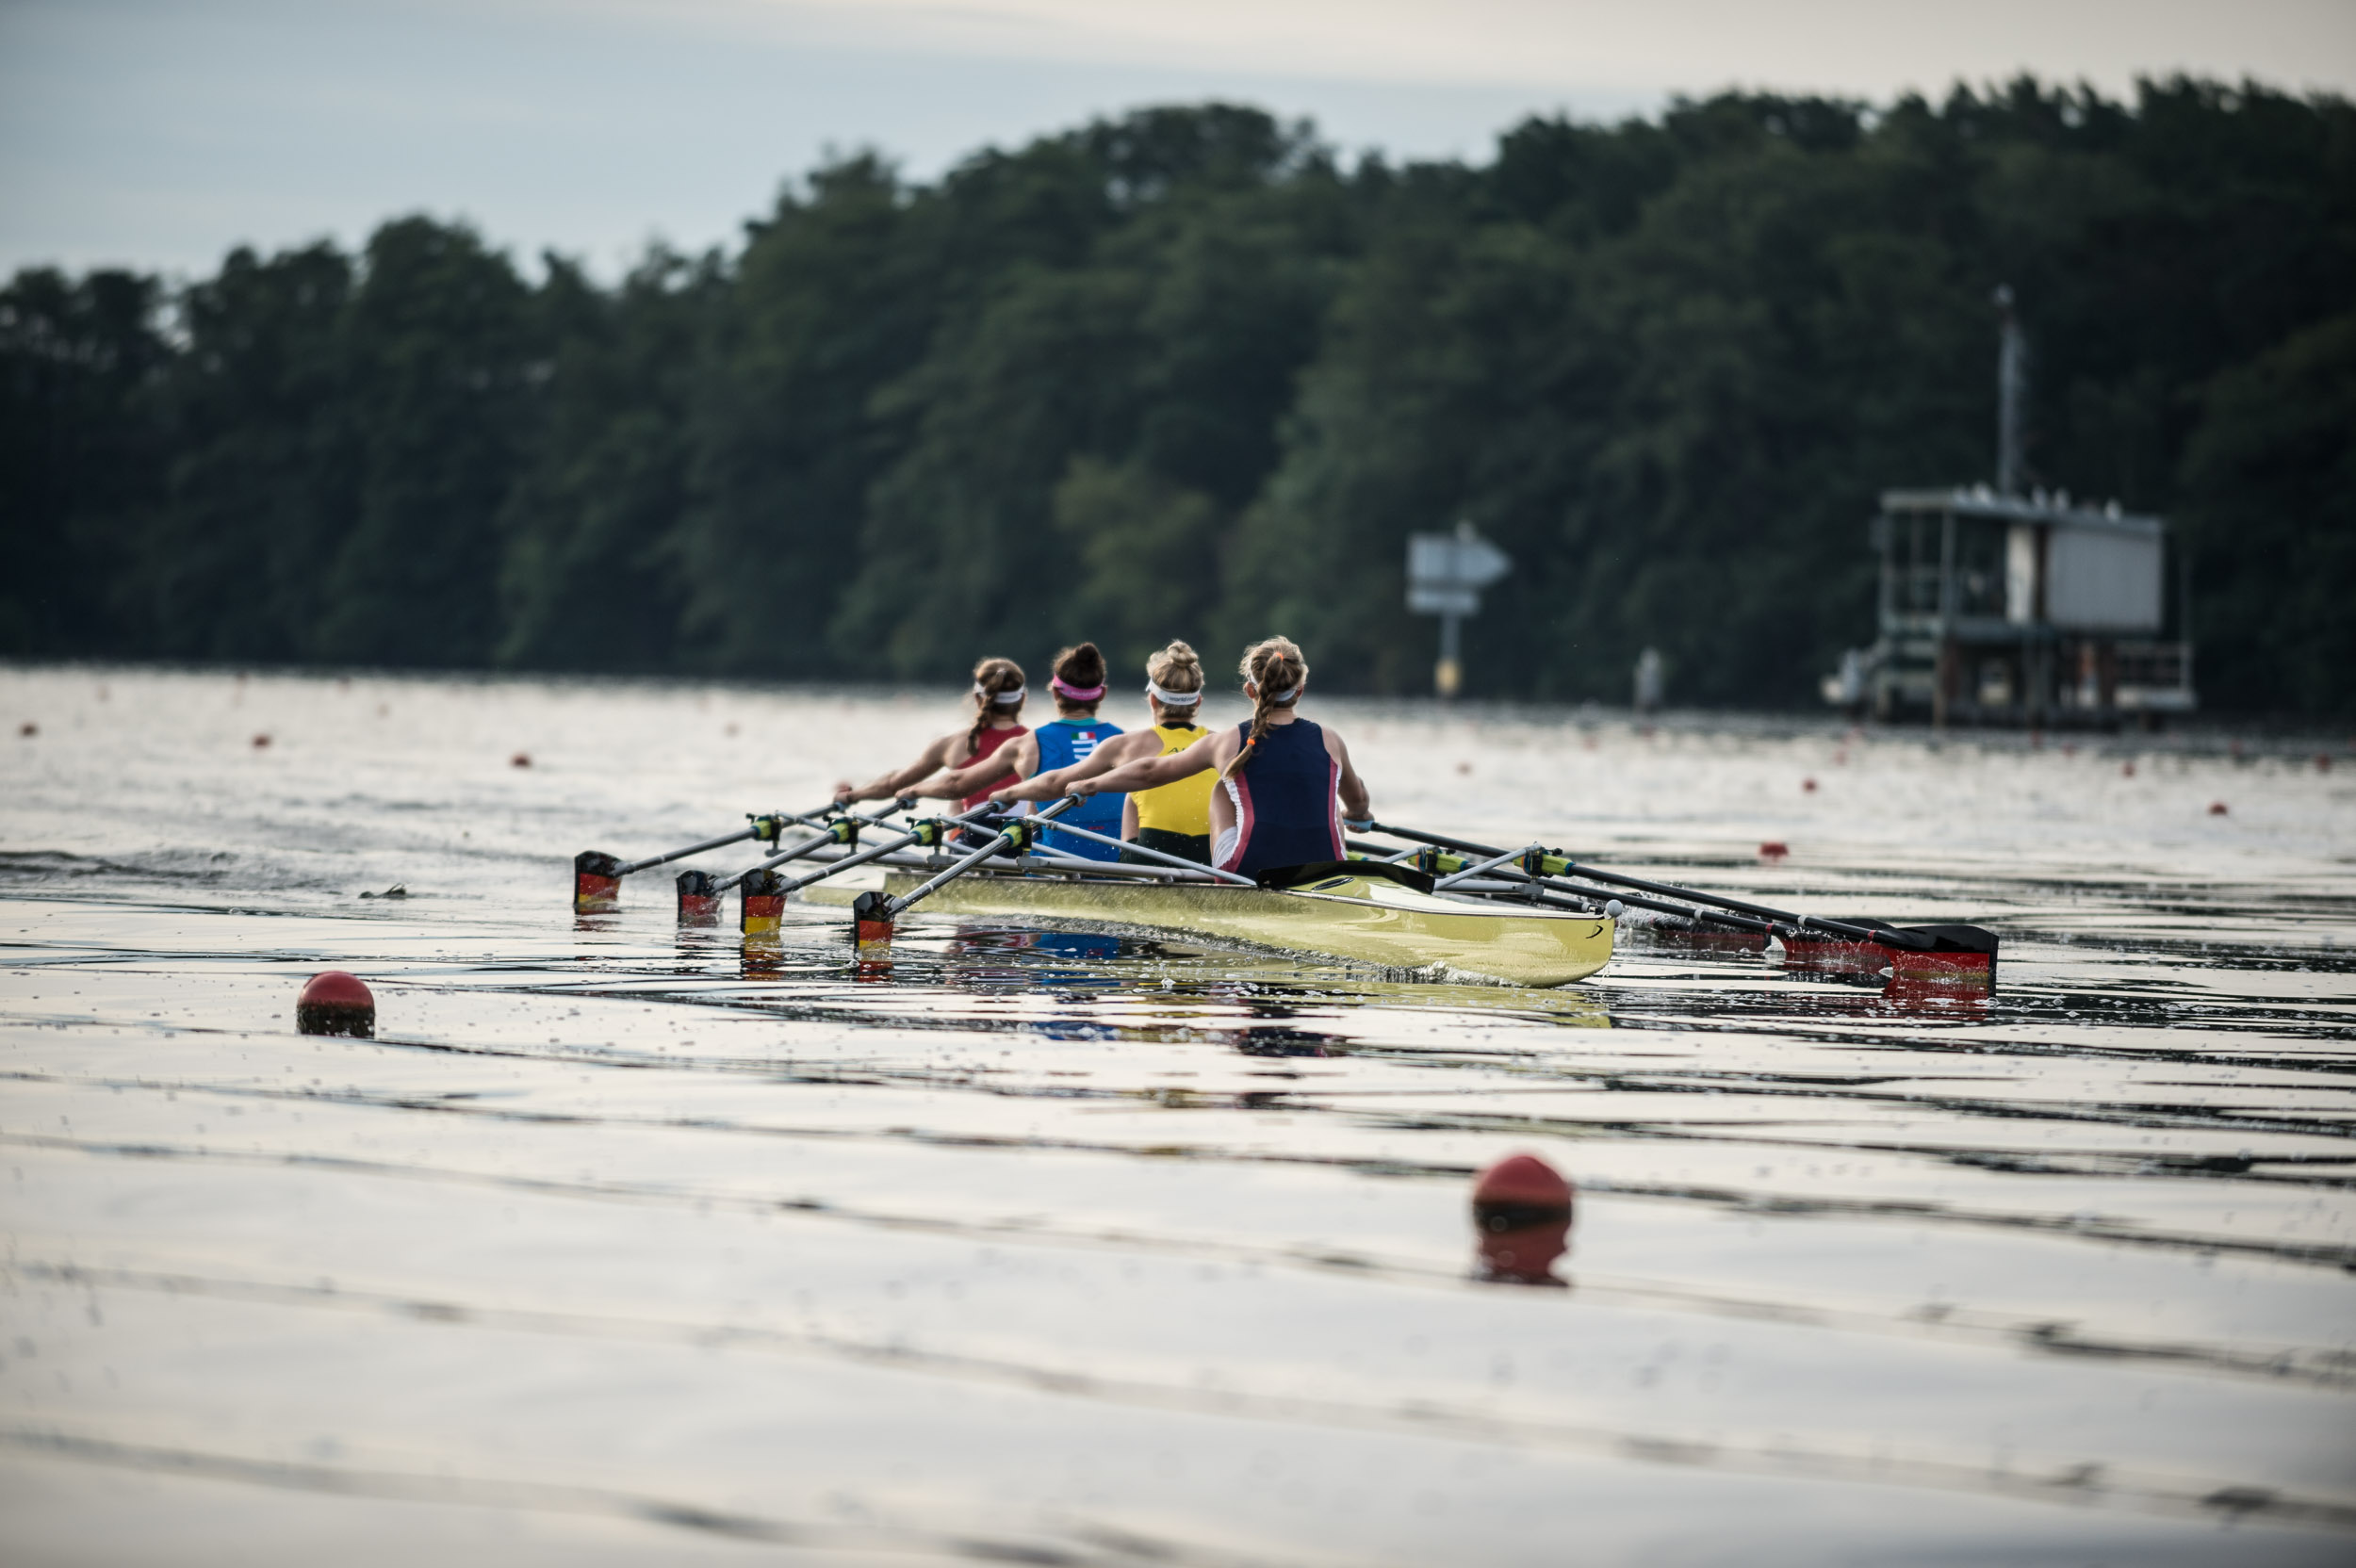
(1285, 785)
(1079, 687)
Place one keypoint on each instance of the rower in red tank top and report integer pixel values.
(998, 693)
(989, 741)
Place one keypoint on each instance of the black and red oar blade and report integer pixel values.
(1950, 954)
(596, 883)
(763, 904)
(1944, 954)
(871, 925)
(698, 898)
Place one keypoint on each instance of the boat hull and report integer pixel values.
(1363, 919)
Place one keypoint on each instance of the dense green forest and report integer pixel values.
(1188, 373)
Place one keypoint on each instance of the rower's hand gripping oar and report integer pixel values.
(875, 913)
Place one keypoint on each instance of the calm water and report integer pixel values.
(623, 1244)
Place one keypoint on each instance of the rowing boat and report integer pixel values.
(1366, 918)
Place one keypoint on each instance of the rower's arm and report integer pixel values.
(1021, 760)
(1052, 785)
(896, 782)
(1149, 773)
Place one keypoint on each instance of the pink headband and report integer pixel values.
(1078, 694)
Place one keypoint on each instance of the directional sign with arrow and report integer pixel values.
(1446, 573)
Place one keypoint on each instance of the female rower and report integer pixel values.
(1174, 819)
(1079, 684)
(998, 693)
(1284, 784)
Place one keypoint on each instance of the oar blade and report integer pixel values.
(762, 906)
(596, 883)
(872, 926)
(698, 898)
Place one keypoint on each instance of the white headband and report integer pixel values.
(1283, 697)
(1172, 699)
(1002, 699)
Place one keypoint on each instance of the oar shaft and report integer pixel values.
(1557, 885)
(1006, 840)
(876, 851)
(1179, 860)
(1615, 879)
(653, 861)
(825, 837)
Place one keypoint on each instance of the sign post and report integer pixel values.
(1446, 573)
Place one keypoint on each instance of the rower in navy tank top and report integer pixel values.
(1285, 785)
(1287, 810)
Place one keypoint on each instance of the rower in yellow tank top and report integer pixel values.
(1174, 819)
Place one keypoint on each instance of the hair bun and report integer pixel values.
(1082, 666)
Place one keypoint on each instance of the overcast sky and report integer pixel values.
(160, 132)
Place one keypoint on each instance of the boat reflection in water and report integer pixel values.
(1521, 1210)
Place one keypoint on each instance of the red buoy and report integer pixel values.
(261, 743)
(1808, 786)
(521, 759)
(1522, 1218)
(1774, 849)
(1526, 1180)
(2217, 808)
(335, 1003)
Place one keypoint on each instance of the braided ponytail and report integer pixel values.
(1277, 667)
(993, 678)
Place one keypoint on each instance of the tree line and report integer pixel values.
(1184, 373)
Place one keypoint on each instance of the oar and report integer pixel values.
(1180, 860)
(873, 913)
(1526, 886)
(1554, 866)
(597, 876)
(765, 892)
(843, 830)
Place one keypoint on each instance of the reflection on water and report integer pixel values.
(1052, 1244)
